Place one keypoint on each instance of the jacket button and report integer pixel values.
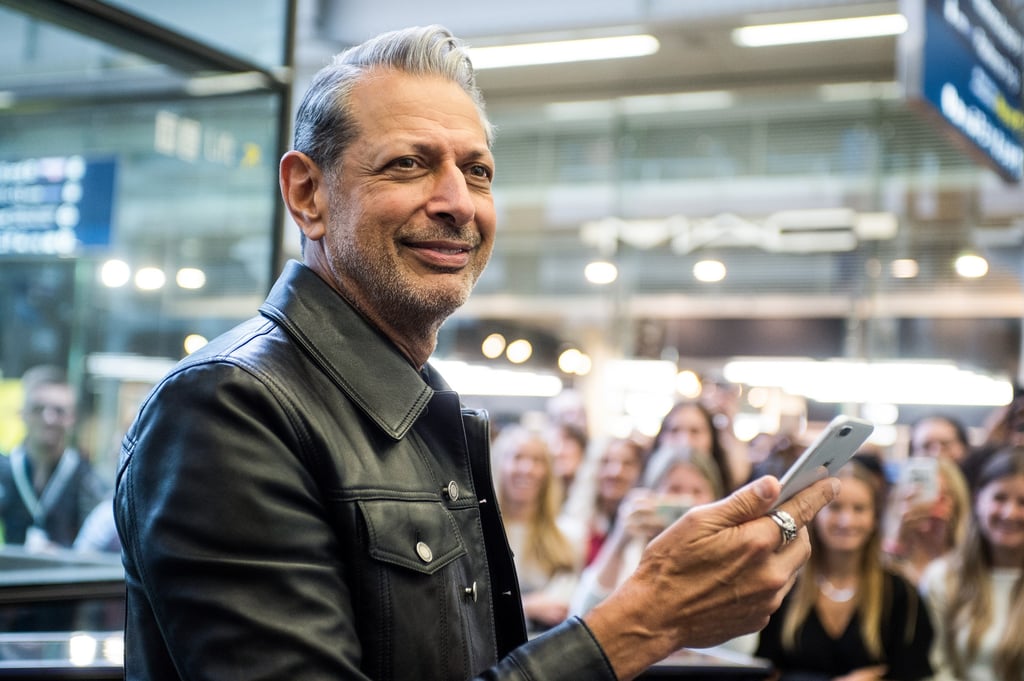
(424, 552)
(471, 592)
(452, 490)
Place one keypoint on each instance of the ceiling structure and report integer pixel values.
(940, 212)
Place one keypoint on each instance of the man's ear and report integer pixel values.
(303, 193)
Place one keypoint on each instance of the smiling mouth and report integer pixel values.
(442, 256)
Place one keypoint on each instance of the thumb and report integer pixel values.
(751, 501)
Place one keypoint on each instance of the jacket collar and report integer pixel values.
(363, 363)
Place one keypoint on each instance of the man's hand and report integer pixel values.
(717, 573)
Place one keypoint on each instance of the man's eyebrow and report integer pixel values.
(428, 149)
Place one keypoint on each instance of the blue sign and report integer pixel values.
(59, 205)
(967, 68)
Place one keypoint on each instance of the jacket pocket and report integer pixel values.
(418, 535)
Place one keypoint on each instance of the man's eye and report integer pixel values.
(479, 170)
(405, 163)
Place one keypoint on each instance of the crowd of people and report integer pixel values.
(909, 578)
(915, 570)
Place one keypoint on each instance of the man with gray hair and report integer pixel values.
(306, 498)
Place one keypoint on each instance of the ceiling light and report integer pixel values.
(493, 346)
(904, 268)
(845, 381)
(518, 351)
(688, 384)
(862, 91)
(596, 109)
(150, 278)
(190, 278)
(115, 273)
(589, 49)
(709, 271)
(971, 266)
(572, 361)
(819, 31)
(601, 272)
(193, 342)
(475, 379)
(706, 100)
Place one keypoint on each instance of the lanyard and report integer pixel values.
(40, 505)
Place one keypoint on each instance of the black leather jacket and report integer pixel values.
(296, 502)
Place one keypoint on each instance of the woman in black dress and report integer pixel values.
(848, 617)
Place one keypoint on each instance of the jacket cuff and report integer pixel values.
(568, 651)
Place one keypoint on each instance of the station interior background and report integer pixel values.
(834, 207)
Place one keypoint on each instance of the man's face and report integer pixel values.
(411, 218)
(49, 415)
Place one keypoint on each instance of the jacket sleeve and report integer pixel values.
(568, 651)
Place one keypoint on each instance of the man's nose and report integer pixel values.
(452, 201)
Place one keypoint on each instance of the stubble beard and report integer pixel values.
(394, 297)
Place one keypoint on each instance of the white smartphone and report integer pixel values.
(920, 474)
(840, 440)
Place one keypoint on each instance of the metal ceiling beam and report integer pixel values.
(134, 34)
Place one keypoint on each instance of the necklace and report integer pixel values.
(834, 594)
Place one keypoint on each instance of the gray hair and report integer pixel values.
(323, 125)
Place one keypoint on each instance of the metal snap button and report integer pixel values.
(424, 552)
(452, 490)
(471, 592)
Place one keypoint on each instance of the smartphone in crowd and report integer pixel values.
(833, 447)
(672, 508)
(920, 474)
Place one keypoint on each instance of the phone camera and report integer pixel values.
(845, 430)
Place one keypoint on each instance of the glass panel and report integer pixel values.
(45, 61)
(255, 32)
(194, 193)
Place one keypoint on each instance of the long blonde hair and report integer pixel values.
(547, 545)
(874, 599)
(969, 584)
(961, 495)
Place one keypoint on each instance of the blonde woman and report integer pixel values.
(529, 497)
(680, 479)
(923, 530)
(977, 593)
(847, 617)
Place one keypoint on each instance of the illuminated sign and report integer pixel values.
(58, 205)
(961, 59)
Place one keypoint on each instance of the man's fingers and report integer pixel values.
(806, 504)
(793, 516)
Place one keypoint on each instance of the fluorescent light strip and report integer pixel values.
(820, 31)
(852, 92)
(589, 49)
(707, 100)
(476, 379)
(846, 381)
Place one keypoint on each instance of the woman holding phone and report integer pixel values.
(926, 520)
(848, 617)
(977, 593)
(678, 480)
